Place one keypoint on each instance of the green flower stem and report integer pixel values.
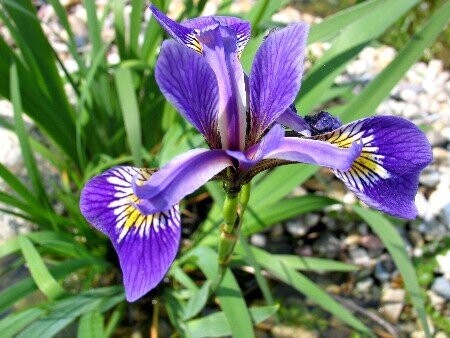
(233, 210)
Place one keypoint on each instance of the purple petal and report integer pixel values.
(240, 27)
(386, 174)
(146, 245)
(276, 76)
(290, 119)
(258, 151)
(220, 51)
(187, 81)
(180, 177)
(180, 33)
(268, 143)
(315, 152)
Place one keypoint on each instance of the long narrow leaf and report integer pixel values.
(28, 157)
(130, 112)
(367, 101)
(44, 280)
(347, 45)
(307, 287)
(396, 247)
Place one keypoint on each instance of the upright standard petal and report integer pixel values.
(315, 152)
(146, 244)
(241, 28)
(181, 34)
(386, 174)
(178, 178)
(189, 83)
(220, 51)
(275, 77)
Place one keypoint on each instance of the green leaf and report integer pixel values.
(262, 11)
(62, 312)
(135, 24)
(22, 134)
(15, 322)
(315, 264)
(262, 217)
(41, 88)
(26, 286)
(302, 284)
(350, 41)
(216, 324)
(368, 100)
(130, 112)
(17, 185)
(396, 247)
(276, 184)
(91, 325)
(197, 301)
(44, 280)
(332, 26)
(228, 293)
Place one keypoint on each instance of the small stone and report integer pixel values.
(297, 228)
(444, 263)
(441, 286)
(287, 15)
(433, 230)
(384, 269)
(359, 256)
(392, 311)
(393, 301)
(408, 94)
(391, 295)
(329, 222)
(364, 285)
(282, 331)
(421, 204)
(445, 214)
(258, 240)
(312, 219)
(352, 240)
(328, 246)
(437, 302)
(429, 177)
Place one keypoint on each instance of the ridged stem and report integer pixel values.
(233, 210)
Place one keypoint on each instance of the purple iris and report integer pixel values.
(241, 118)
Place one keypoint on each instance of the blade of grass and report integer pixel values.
(28, 158)
(347, 45)
(216, 324)
(11, 325)
(229, 293)
(63, 312)
(396, 247)
(15, 184)
(279, 182)
(130, 112)
(135, 25)
(367, 101)
(43, 278)
(91, 325)
(331, 26)
(308, 288)
(119, 27)
(262, 217)
(260, 279)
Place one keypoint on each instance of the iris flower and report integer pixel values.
(243, 120)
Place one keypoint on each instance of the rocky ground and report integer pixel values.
(422, 96)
